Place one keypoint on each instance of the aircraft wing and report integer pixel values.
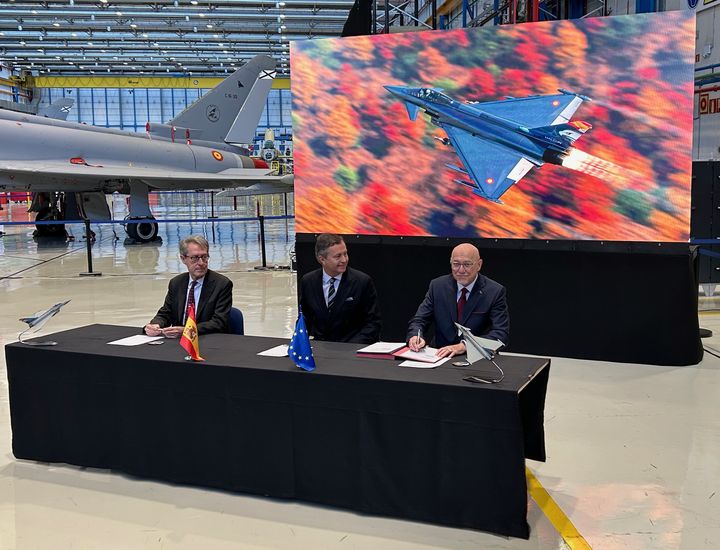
(156, 178)
(492, 167)
(547, 110)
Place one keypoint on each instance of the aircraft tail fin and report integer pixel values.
(213, 116)
(246, 122)
(569, 131)
(59, 109)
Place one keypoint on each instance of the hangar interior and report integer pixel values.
(633, 449)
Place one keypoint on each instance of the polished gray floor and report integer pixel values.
(633, 450)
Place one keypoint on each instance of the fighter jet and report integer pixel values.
(193, 151)
(500, 141)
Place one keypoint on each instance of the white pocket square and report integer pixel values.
(350, 299)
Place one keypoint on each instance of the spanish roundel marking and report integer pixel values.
(217, 155)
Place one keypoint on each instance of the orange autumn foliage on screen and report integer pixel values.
(362, 166)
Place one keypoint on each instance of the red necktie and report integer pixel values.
(190, 301)
(461, 303)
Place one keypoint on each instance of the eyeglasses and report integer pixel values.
(457, 265)
(195, 259)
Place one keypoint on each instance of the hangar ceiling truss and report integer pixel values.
(176, 37)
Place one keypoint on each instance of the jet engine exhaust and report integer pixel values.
(580, 161)
(556, 157)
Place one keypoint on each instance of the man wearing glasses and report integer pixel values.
(465, 297)
(207, 291)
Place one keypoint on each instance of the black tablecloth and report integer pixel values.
(358, 433)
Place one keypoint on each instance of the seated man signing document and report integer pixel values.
(209, 292)
(463, 297)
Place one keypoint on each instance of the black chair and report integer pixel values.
(237, 324)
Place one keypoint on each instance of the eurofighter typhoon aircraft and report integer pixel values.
(193, 151)
(500, 141)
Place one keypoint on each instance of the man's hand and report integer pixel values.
(173, 332)
(416, 344)
(153, 330)
(451, 351)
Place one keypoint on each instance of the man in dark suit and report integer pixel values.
(211, 295)
(465, 297)
(339, 304)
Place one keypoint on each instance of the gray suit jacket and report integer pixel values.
(213, 311)
(485, 313)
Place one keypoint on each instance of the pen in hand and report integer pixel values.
(418, 344)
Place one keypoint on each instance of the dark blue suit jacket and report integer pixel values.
(485, 313)
(354, 317)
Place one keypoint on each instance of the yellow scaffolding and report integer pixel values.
(136, 82)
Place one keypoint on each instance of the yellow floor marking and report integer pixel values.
(557, 517)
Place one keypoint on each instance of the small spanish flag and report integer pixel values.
(190, 340)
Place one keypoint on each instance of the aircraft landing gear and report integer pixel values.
(142, 232)
(55, 230)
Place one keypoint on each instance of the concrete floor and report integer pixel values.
(633, 450)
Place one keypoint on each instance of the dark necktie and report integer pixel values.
(190, 301)
(461, 303)
(331, 292)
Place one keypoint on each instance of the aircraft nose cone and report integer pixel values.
(396, 90)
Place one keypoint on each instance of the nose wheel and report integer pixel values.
(142, 230)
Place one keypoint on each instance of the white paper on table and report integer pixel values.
(136, 340)
(277, 351)
(426, 355)
(382, 347)
(423, 365)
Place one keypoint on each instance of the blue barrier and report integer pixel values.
(148, 220)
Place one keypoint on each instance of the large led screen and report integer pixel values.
(557, 130)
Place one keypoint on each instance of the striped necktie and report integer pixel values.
(331, 292)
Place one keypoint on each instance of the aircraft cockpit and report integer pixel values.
(429, 94)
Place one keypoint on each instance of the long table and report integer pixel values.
(363, 434)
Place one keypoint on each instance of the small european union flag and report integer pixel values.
(299, 350)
